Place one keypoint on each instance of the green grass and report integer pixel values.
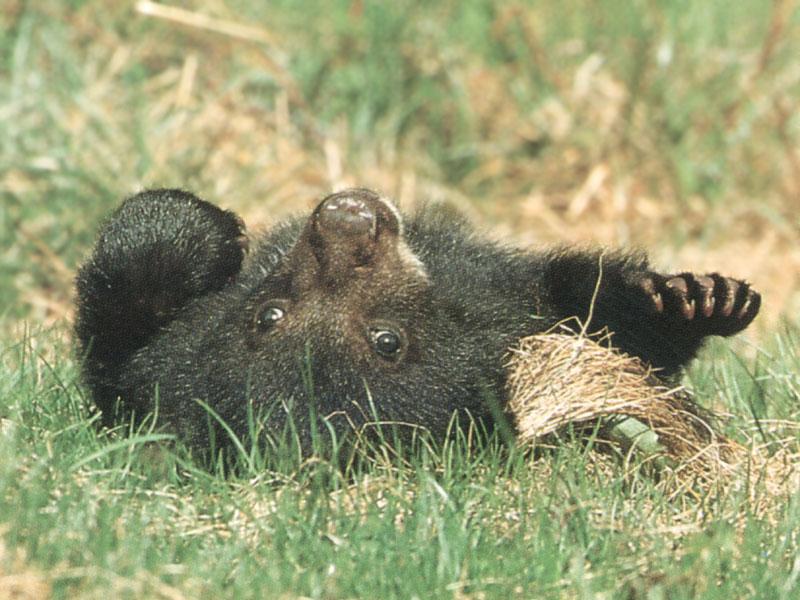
(94, 514)
(505, 109)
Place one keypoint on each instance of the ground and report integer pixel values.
(673, 127)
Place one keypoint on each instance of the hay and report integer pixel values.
(564, 383)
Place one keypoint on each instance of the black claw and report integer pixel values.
(750, 307)
(708, 306)
(743, 311)
(679, 285)
(679, 288)
(688, 309)
(705, 290)
(729, 299)
(657, 302)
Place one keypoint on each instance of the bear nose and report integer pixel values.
(350, 212)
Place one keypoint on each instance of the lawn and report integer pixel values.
(668, 125)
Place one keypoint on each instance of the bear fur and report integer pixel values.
(352, 315)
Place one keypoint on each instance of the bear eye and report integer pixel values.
(386, 342)
(268, 316)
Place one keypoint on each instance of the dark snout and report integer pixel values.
(355, 212)
(347, 213)
(353, 245)
(346, 230)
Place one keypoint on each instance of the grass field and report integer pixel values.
(670, 125)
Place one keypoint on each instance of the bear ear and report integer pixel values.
(443, 217)
(184, 242)
(158, 251)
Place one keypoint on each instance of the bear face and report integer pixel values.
(349, 284)
(342, 325)
(350, 317)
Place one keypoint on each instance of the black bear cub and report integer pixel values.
(352, 316)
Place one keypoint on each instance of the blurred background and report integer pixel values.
(669, 125)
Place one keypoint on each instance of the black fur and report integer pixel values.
(350, 315)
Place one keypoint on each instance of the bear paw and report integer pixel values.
(712, 303)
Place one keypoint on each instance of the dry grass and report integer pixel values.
(559, 381)
(587, 161)
(18, 580)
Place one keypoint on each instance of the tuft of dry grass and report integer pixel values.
(559, 381)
